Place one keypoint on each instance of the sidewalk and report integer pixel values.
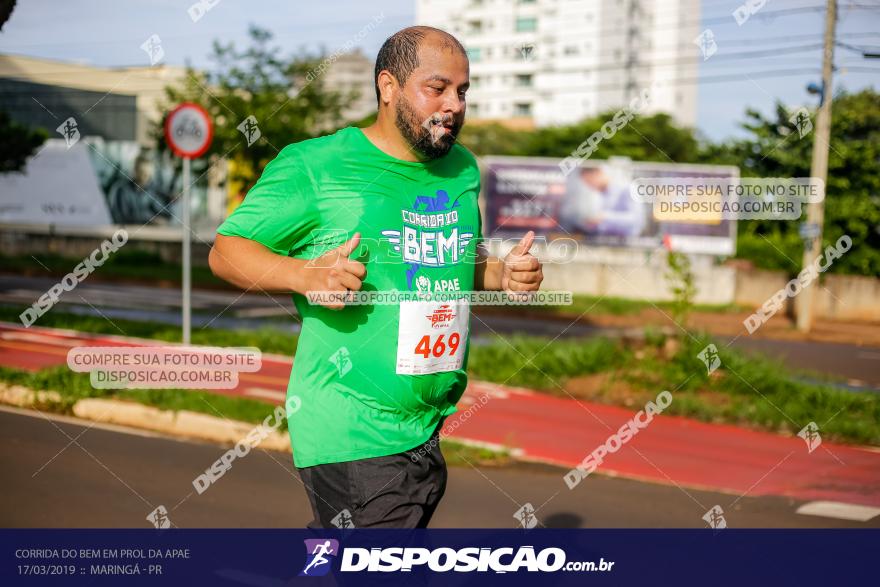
(670, 450)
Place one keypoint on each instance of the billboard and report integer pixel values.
(593, 204)
(97, 183)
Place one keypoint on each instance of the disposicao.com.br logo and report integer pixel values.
(443, 559)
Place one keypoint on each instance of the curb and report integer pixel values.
(182, 423)
(25, 397)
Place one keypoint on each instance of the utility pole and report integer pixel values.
(818, 169)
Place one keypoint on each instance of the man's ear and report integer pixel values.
(387, 86)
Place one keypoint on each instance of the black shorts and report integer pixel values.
(395, 491)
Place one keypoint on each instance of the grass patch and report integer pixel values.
(746, 390)
(587, 305)
(754, 391)
(535, 362)
(73, 386)
(457, 454)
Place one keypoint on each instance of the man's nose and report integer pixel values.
(453, 103)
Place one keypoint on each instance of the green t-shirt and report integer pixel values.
(420, 226)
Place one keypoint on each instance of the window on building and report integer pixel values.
(474, 27)
(524, 80)
(526, 24)
(522, 109)
(571, 50)
(473, 53)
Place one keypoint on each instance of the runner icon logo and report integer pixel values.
(715, 518)
(319, 553)
(710, 358)
(342, 360)
(810, 434)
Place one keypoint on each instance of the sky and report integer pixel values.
(766, 59)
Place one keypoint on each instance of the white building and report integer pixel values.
(353, 73)
(558, 61)
(118, 103)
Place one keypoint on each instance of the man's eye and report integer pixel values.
(436, 89)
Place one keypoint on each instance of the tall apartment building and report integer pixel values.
(547, 62)
(353, 72)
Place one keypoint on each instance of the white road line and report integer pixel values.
(839, 510)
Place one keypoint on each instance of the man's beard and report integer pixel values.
(418, 134)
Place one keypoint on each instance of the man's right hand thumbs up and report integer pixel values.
(335, 273)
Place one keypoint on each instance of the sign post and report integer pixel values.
(188, 131)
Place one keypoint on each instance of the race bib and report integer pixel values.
(432, 336)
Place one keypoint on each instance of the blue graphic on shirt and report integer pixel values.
(437, 204)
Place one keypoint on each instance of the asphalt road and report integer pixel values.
(61, 472)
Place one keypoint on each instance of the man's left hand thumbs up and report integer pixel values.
(522, 270)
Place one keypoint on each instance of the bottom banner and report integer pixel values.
(274, 558)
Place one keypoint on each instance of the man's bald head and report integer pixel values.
(399, 54)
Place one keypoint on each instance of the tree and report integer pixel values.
(681, 280)
(493, 138)
(17, 143)
(644, 138)
(284, 96)
(6, 8)
(852, 201)
(774, 148)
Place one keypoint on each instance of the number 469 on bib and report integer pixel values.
(438, 345)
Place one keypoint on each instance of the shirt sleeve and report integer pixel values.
(480, 240)
(279, 210)
(478, 237)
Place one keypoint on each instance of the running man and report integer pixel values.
(390, 207)
(320, 550)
